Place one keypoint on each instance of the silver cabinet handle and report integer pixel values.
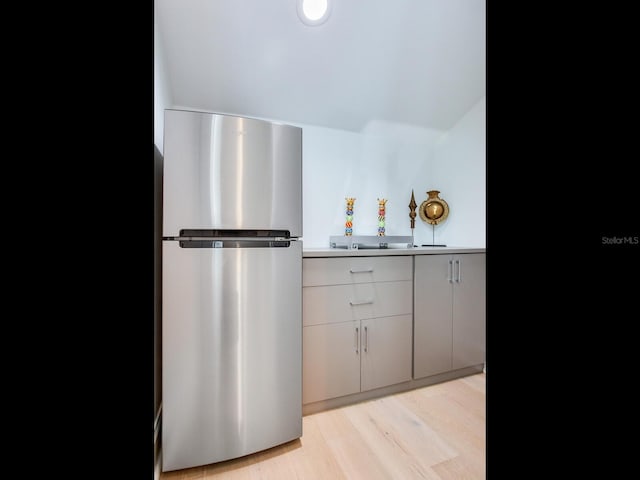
(366, 302)
(366, 340)
(368, 270)
(458, 277)
(356, 339)
(450, 272)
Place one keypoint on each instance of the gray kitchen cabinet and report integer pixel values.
(469, 310)
(385, 351)
(356, 331)
(449, 313)
(349, 357)
(432, 312)
(330, 361)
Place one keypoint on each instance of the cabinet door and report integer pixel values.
(469, 312)
(330, 361)
(432, 306)
(386, 351)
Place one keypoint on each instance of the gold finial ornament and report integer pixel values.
(434, 210)
(412, 210)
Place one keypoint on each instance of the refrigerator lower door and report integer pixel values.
(232, 351)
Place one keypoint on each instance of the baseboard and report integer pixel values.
(322, 405)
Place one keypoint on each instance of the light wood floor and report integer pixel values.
(434, 432)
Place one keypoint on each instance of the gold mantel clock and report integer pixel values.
(434, 210)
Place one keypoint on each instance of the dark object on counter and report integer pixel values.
(433, 245)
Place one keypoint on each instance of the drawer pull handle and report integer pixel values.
(366, 302)
(368, 270)
(357, 338)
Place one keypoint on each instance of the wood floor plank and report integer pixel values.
(436, 432)
(455, 469)
(467, 396)
(445, 414)
(350, 450)
(317, 460)
(196, 473)
(462, 423)
(478, 382)
(273, 463)
(403, 442)
(465, 431)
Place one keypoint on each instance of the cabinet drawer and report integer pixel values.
(346, 270)
(341, 303)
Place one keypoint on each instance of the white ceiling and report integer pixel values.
(417, 62)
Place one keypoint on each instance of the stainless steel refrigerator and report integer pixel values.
(231, 287)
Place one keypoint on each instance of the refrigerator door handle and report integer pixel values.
(256, 234)
(227, 239)
(235, 243)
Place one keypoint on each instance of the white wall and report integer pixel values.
(459, 172)
(161, 90)
(384, 161)
(389, 160)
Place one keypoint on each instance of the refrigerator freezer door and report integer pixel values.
(232, 351)
(228, 172)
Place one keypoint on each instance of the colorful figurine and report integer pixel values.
(348, 225)
(381, 214)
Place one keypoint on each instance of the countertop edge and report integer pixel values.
(375, 252)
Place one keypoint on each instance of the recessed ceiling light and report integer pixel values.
(314, 12)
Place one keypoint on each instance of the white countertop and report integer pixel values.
(374, 252)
